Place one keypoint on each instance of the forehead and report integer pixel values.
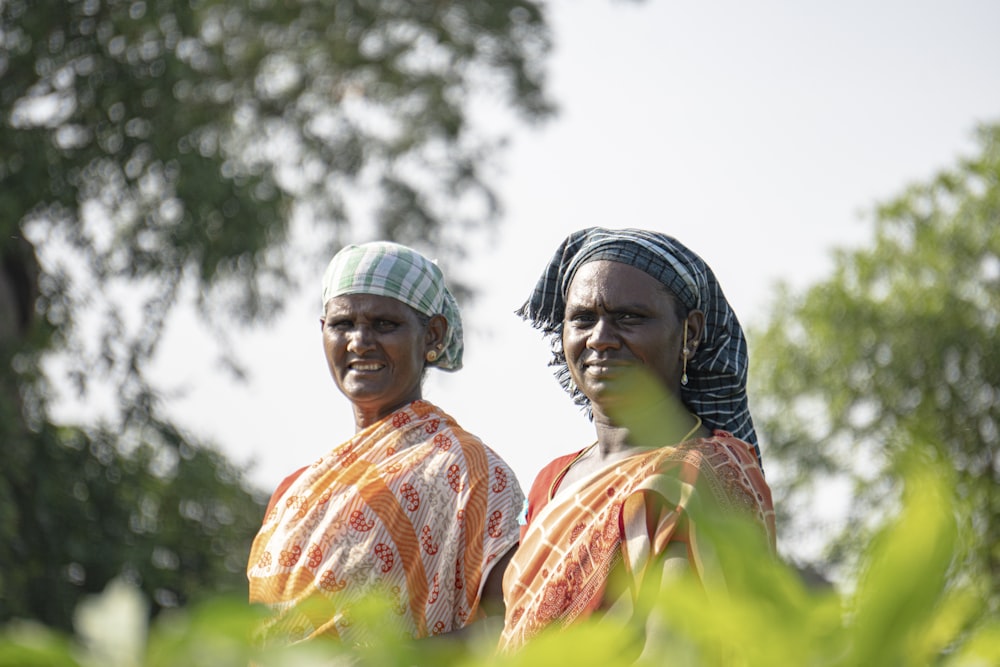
(367, 304)
(608, 282)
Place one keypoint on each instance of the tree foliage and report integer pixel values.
(80, 508)
(154, 147)
(898, 345)
(154, 141)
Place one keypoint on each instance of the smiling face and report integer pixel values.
(375, 347)
(618, 317)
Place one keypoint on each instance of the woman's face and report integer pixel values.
(617, 317)
(375, 347)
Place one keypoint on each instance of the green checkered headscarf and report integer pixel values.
(390, 269)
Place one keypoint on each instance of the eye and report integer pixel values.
(339, 324)
(581, 318)
(386, 326)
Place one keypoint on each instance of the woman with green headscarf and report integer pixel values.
(410, 506)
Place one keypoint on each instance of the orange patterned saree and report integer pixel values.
(412, 507)
(629, 511)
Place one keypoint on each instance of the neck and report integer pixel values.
(612, 438)
(665, 424)
(365, 417)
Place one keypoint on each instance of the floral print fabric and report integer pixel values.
(413, 507)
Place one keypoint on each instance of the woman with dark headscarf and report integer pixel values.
(411, 506)
(644, 339)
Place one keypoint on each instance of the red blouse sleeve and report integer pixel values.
(545, 481)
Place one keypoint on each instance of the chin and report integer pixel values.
(356, 394)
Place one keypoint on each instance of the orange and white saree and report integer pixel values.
(629, 511)
(413, 507)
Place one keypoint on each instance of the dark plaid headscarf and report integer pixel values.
(717, 373)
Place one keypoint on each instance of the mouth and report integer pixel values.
(365, 366)
(604, 367)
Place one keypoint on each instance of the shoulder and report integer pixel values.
(538, 495)
(282, 487)
(721, 459)
(452, 444)
(553, 469)
(730, 467)
(452, 432)
(723, 448)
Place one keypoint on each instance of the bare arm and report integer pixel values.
(491, 600)
(674, 565)
(492, 605)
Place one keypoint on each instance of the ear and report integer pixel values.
(695, 324)
(437, 329)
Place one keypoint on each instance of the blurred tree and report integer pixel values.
(151, 142)
(898, 346)
(150, 146)
(172, 517)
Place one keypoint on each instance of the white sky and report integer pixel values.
(754, 132)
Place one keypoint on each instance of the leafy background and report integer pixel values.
(161, 159)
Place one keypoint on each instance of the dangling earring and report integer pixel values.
(686, 351)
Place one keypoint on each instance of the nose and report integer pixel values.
(360, 339)
(603, 335)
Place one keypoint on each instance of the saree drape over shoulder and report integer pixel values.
(413, 507)
(629, 512)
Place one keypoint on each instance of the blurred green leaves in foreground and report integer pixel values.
(902, 606)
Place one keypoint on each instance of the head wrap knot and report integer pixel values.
(717, 373)
(389, 269)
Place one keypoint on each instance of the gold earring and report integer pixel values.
(686, 352)
(431, 356)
